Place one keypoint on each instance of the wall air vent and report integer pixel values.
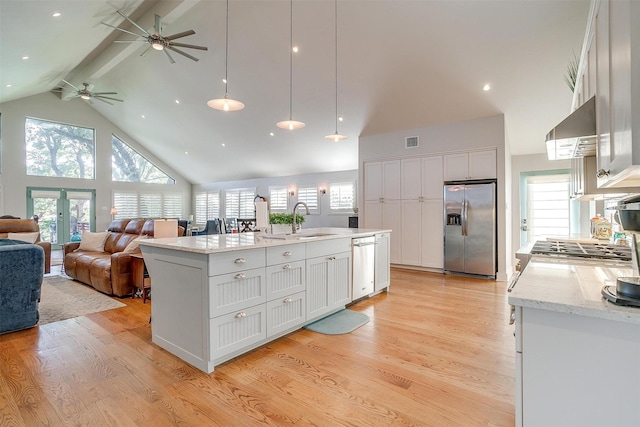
(411, 142)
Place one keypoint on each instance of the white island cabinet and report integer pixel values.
(577, 355)
(218, 296)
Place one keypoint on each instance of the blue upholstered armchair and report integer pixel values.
(21, 272)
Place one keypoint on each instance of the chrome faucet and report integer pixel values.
(294, 229)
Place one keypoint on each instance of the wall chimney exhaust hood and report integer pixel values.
(575, 136)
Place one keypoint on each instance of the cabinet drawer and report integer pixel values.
(234, 331)
(284, 279)
(286, 253)
(285, 313)
(234, 291)
(328, 247)
(236, 261)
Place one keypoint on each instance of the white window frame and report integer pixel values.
(207, 206)
(278, 198)
(339, 188)
(546, 217)
(245, 205)
(309, 195)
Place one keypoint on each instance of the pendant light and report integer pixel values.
(336, 136)
(226, 103)
(290, 124)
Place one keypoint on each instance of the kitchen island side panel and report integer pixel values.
(579, 370)
(179, 317)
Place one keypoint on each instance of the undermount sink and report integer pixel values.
(296, 236)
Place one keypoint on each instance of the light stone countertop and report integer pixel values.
(572, 288)
(215, 243)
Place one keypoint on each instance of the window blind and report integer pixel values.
(278, 198)
(309, 195)
(341, 197)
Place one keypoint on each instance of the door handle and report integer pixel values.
(464, 218)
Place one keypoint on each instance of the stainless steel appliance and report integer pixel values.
(363, 252)
(470, 238)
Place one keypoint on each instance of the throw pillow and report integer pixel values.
(93, 242)
(134, 244)
(24, 237)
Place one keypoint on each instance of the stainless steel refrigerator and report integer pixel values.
(470, 227)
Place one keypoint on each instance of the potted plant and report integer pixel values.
(281, 222)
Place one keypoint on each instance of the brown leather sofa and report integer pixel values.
(108, 271)
(15, 225)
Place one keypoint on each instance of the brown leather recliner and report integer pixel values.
(108, 271)
(14, 225)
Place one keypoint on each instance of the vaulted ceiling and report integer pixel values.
(401, 65)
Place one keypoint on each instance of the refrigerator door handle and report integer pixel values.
(464, 217)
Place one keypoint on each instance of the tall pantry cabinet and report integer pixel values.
(406, 196)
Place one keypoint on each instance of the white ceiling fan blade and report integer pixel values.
(182, 53)
(169, 56)
(190, 46)
(146, 51)
(156, 24)
(131, 41)
(75, 88)
(100, 99)
(124, 31)
(130, 20)
(107, 97)
(104, 93)
(180, 35)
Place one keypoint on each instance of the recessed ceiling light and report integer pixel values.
(25, 57)
(186, 152)
(271, 133)
(223, 144)
(9, 85)
(224, 81)
(177, 101)
(142, 115)
(56, 14)
(340, 118)
(295, 49)
(486, 87)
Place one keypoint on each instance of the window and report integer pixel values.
(238, 203)
(309, 195)
(134, 204)
(278, 199)
(341, 197)
(547, 206)
(56, 149)
(207, 207)
(127, 165)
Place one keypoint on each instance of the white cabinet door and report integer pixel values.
(373, 181)
(328, 284)
(234, 331)
(391, 180)
(391, 220)
(411, 178)
(482, 164)
(411, 233)
(382, 276)
(456, 166)
(286, 313)
(372, 215)
(603, 125)
(285, 279)
(432, 250)
(432, 177)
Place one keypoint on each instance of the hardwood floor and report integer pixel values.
(437, 352)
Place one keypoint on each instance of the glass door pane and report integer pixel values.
(46, 208)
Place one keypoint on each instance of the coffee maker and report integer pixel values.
(627, 289)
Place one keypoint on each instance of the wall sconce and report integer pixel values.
(292, 192)
(322, 191)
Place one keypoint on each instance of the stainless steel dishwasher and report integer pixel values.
(363, 252)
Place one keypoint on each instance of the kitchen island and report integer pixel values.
(218, 296)
(577, 355)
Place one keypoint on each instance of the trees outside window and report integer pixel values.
(60, 150)
(127, 165)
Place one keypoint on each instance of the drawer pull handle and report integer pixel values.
(240, 261)
(240, 276)
(286, 267)
(241, 315)
(287, 300)
(287, 253)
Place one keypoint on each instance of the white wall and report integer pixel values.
(487, 132)
(324, 219)
(47, 106)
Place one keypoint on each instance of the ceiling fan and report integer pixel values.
(157, 41)
(87, 94)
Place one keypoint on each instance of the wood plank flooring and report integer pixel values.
(437, 352)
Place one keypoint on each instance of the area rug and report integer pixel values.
(341, 322)
(62, 298)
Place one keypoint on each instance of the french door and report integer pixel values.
(63, 214)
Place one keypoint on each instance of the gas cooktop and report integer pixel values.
(574, 249)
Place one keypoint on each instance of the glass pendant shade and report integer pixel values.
(290, 124)
(336, 137)
(225, 104)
